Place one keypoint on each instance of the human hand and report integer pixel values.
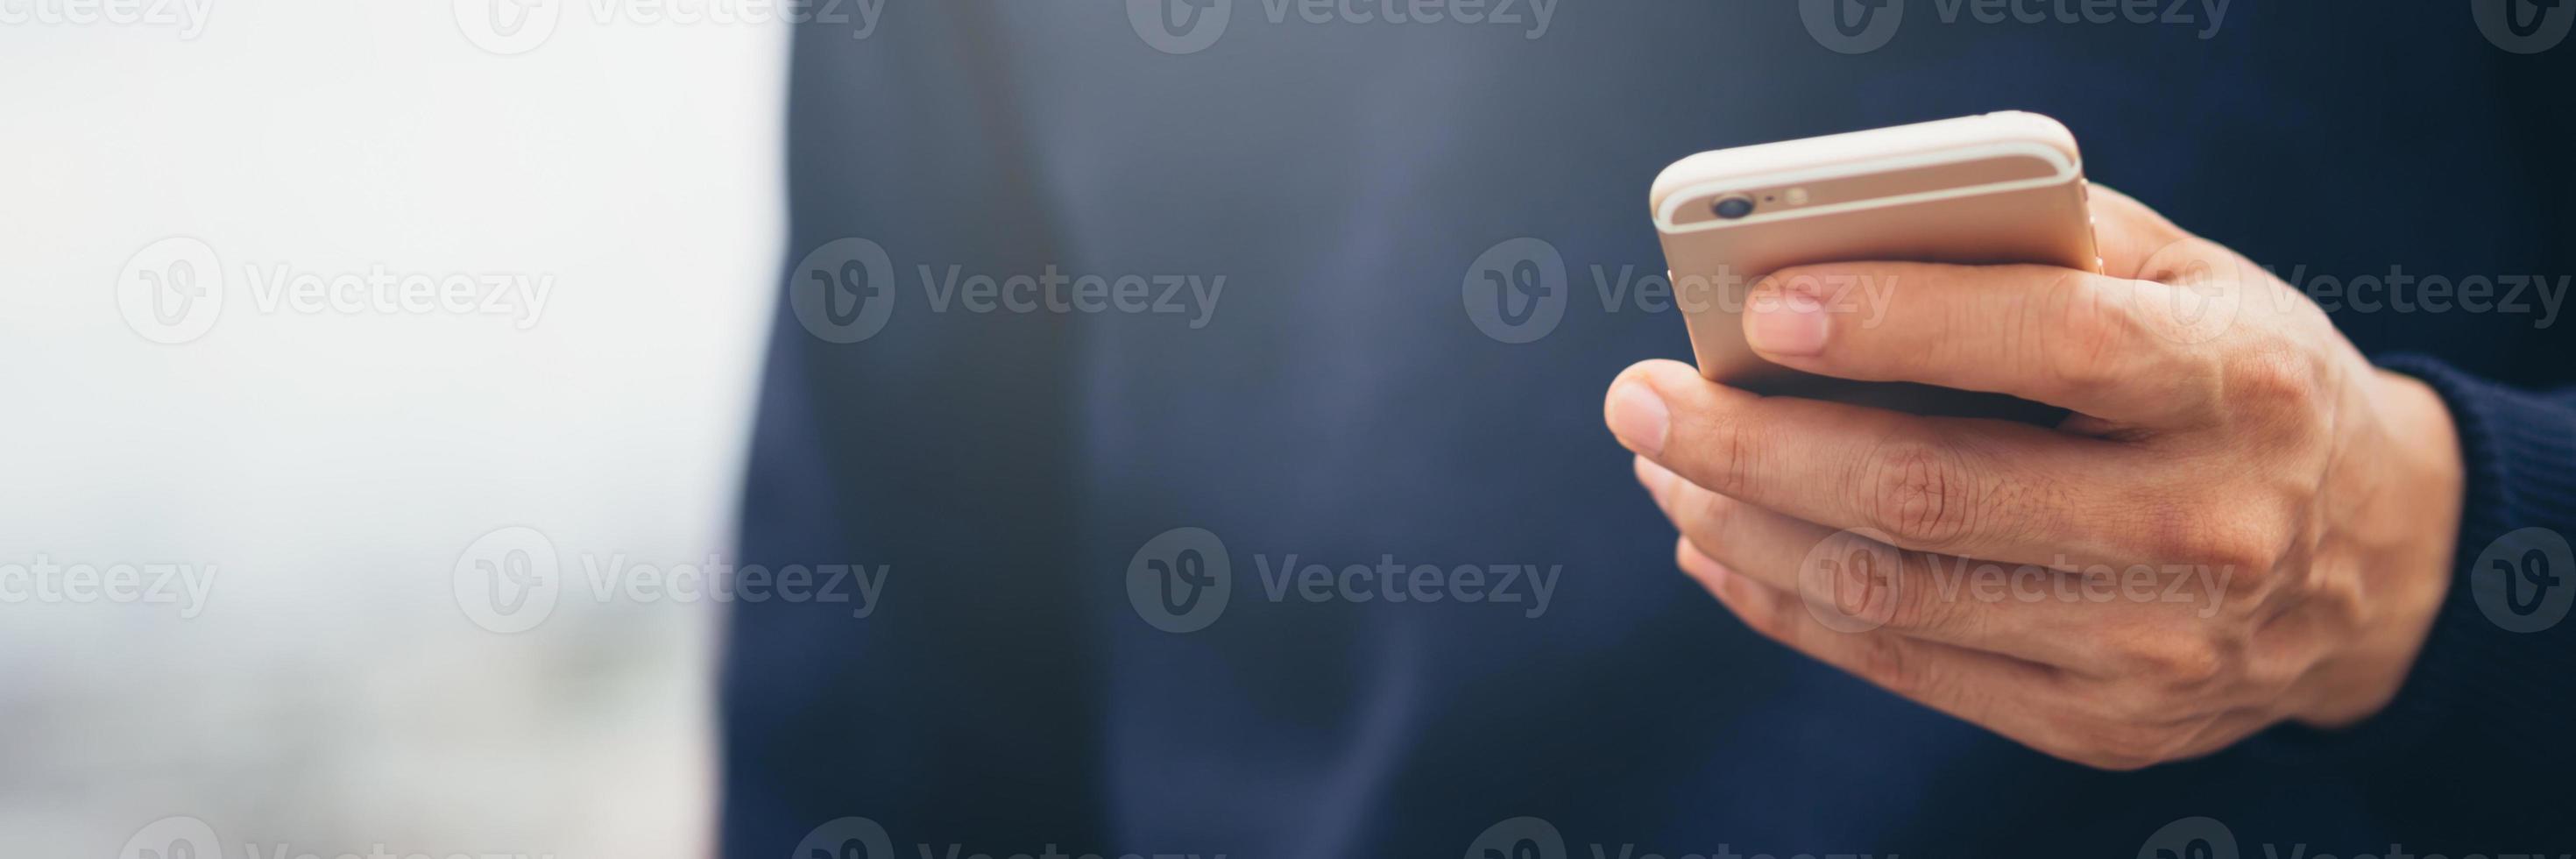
(2243, 523)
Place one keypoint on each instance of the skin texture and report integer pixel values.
(2244, 522)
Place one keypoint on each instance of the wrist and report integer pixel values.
(2399, 523)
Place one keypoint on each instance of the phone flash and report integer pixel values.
(1797, 196)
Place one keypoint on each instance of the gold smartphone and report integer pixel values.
(1981, 190)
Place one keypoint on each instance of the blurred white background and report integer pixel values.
(330, 694)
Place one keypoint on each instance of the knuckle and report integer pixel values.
(2272, 378)
(2173, 530)
(1918, 493)
(2247, 553)
(1737, 447)
(2087, 333)
(2123, 701)
(2193, 668)
(2239, 547)
(2178, 663)
(1884, 660)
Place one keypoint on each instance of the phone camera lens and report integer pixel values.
(1732, 208)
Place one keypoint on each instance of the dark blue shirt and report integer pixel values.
(1319, 394)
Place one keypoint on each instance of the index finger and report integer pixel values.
(2101, 346)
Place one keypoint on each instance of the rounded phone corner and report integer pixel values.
(2041, 129)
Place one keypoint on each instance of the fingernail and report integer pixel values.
(1791, 326)
(1638, 416)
